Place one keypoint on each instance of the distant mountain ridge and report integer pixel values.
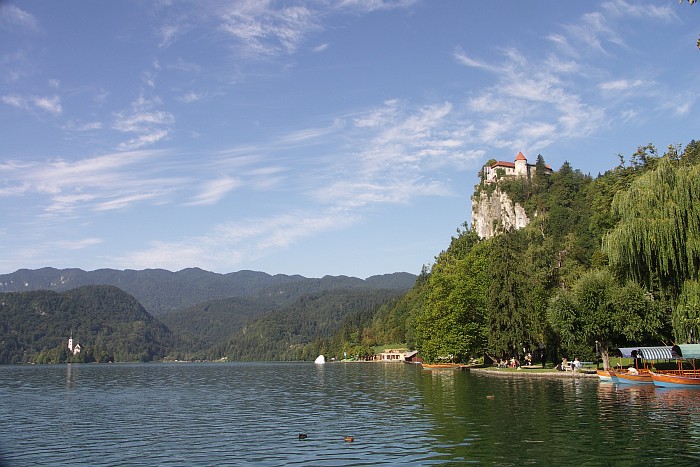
(161, 291)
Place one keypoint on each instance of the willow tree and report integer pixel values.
(657, 240)
(686, 314)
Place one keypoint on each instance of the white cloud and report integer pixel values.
(191, 97)
(262, 30)
(146, 139)
(121, 202)
(50, 104)
(368, 6)
(149, 125)
(105, 182)
(214, 190)
(170, 32)
(77, 244)
(82, 126)
(621, 8)
(229, 244)
(462, 58)
(621, 85)
(12, 17)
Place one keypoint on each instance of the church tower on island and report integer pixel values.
(73, 348)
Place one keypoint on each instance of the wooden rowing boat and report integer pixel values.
(626, 377)
(677, 379)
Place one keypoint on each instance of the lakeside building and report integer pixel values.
(392, 355)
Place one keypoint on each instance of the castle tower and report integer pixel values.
(520, 165)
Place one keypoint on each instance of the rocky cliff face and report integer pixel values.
(496, 213)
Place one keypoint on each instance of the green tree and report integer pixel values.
(451, 323)
(657, 240)
(598, 309)
(507, 302)
(686, 314)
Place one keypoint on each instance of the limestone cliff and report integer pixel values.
(496, 213)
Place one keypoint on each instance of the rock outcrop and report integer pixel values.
(496, 213)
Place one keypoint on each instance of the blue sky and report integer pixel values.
(311, 137)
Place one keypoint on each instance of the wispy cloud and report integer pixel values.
(368, 6)
(621, 85)
(49, 104)
(536, 101)
(622, 8)
(78, 244)
(149, 125)
(230, 244)
(13, 17)
(98, 183)
(262, 30)
(214, 190)
(192, 96)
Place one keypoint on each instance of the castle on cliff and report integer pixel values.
(517, 168)
(493, 211)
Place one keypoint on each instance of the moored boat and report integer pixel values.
(683, 377)
(632, 377)
(688, 380)
(640, 373)
(605, 375)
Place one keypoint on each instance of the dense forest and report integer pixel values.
(111, 325)
(108, 324)
(604, 262)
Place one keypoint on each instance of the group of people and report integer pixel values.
(566, 365)
(514, 362)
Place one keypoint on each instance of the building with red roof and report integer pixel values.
(517, 168)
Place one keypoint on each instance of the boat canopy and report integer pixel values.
(658, 353)
(687, 350)
(648, 353)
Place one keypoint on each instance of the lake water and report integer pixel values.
(252, 413)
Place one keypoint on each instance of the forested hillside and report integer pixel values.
(109, 325)
(611, 260)
(301, 331)
(161, 291)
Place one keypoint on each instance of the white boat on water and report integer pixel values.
(320, 359)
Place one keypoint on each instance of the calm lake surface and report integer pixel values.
(252, 413)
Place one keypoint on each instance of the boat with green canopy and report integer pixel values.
(687, 375)
(640, 372)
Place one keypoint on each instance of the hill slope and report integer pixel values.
(109, 324)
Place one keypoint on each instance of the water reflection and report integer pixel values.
(71, 375)
(520, 421)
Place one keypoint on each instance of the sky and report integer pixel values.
(313, 137)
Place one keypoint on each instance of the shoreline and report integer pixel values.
(552, 374)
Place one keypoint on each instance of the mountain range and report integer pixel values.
(161, 291)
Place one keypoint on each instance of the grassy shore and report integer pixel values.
(534, 372)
